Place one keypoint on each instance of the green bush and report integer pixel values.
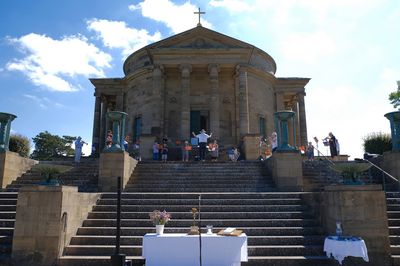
(377, 143)
(19, 144)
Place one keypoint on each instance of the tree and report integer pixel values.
(377, 143)
(394, 97)
(19, 144)
(48, 146)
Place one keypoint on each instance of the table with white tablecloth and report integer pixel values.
(341, 247)
(183, 249)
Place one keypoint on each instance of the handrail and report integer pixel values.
(323, 155)
(380, 169)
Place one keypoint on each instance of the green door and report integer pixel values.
(195, 122)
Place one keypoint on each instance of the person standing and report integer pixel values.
(202, 136)
(78, 149)
(185, 151)
(333, 147)
(214, 151)
(155, 151)
(164, 153)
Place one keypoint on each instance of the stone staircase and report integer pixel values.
(8, 203)
(393, 213)
(83, 175)
(281, 228)
(200, 177)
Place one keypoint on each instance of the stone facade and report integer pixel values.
(199, 79)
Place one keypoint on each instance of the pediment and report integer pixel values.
(200, 38)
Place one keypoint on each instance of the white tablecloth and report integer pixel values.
(341, 248)
(182, 249)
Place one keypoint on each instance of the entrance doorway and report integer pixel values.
(198, 120)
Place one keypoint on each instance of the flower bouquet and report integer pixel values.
(159, 218)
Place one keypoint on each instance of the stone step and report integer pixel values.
(8, 208)
(393, 214)
(252, 240)
(8, 195)
(294, 201)
(6, 231)
(7, 223)
(7, 215)
(201, 190)
(207, 215)
(250, 231)
(136, 250)
(8, 201)
(394, 222)
(235, 195)
(253, 261)
(5, 240)
(217, 223)
(393, 207)
(394, 239)
(204, 208)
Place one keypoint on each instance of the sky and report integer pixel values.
(349, 48)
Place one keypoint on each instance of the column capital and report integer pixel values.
(185, 69)
(158, 69)
(213, 69)
(241, 69)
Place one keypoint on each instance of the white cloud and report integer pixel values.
(50, 63)
(233, 5)
(116, 34)
(308, 47)
(43, 102)
(176, 17)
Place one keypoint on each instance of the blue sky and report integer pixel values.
(349, 49)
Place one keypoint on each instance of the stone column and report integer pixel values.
(302, 119)
(96, 125)
(119, 105)
(280, 106)
(243, 101)
(103, 123)
(158, 111)
(185, 100)
(213, 69)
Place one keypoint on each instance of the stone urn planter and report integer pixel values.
(50, 173)
(394, 118)
(351, 172)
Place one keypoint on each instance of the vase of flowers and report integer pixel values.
(159, 219)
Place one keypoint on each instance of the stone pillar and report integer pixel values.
(46, 219)
(5, 127)
(303, 121)
(213, 69)
(280, 106)
(243, 101)
(252, 146)
(103, 123)
(158, 108)
(96, 126)
(362, 212)
(287, 170)
(112, 165)
(185, 100)
(119, 103)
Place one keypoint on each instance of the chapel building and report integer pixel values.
(199, 79)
